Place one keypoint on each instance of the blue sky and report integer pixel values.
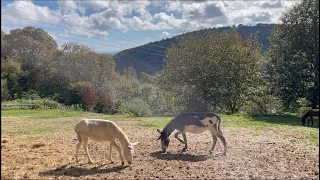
(112, 26)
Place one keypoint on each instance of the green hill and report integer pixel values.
(149, 57)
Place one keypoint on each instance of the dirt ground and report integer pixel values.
(250, 155)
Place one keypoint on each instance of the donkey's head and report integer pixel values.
(164, 137)
(128, 152)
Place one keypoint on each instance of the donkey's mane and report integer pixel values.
(169, 128)
(123, 138)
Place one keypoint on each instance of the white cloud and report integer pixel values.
(269, 4)
(165, 33)
(97, 5)
(142, 15)
(27, 9)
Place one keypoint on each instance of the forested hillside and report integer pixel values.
(149, 58)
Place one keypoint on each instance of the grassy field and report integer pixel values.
(25, 130)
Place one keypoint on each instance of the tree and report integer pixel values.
(80, 63)
(146, 78)
(35, 50)
(130, 72)
(72, 47)
(10, 72)
(294, 64)
(216, 67)
(26, 43)
(3, 42)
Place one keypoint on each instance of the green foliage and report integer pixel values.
(10, 72)
(30, 95)
(303, 105)
(120, 108)
(146, 78)
(31, 104)
(294, 65)
(138, 107)
(74, 48)
(219, 67)
(205, 69)
(3, 42)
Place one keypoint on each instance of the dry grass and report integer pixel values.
(274, 153)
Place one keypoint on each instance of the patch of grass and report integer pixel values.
(31, 104)
(154, 122)
(40, 130)
(259, 121)
(41, 114)
(24, 122)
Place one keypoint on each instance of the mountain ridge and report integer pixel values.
(149, 58)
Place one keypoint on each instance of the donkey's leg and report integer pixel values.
(185, 141)
(119, 150)
(110, 151)
(78, 146)
(214, 138)
(311, 121)
(176, 136)
(220, 136)
(85, 147)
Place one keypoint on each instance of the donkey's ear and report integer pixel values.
(159, 137)
(159, 131)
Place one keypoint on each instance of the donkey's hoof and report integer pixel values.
(184, 149)
(122, 163)
(111, 162)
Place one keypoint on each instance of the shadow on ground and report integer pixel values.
(279, 119)
(181, 157)
(80, 171)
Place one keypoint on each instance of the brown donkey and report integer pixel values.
(311, 113)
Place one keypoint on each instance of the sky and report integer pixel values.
(112, 26)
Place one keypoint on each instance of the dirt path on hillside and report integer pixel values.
(249, 156)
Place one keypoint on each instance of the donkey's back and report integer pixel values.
(198, 119)
(96, 129)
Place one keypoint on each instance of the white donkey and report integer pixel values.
(103, 130)
(192, 122)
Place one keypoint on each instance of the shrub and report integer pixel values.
(31, 104)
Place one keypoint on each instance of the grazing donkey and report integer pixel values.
(103, 130)
(311, 113)
(192, 122)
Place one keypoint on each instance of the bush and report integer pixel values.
(303, 106)
(30, 95)
(31, 104)
(120, 108)
(138, 107)
(262, 105)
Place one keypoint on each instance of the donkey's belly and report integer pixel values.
(99, 136)
(194, 129)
